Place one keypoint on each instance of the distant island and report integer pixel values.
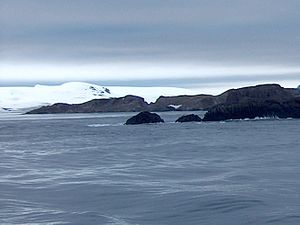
(267, 100)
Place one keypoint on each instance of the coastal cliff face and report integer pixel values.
(251, 110)
(259, 101)
(256, 93)
(250, 98)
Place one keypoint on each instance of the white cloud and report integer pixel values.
(134, 71)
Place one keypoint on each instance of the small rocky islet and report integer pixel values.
(144, 117)
(149, 117)
(189, 118)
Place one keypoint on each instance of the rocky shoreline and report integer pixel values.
(269, 100)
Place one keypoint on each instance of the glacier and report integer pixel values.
(20, 98)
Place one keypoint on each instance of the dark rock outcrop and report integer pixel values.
(144, 117)
(128, 103)
(253, 109)
(189, 118)
(256, 93)
(269, 100)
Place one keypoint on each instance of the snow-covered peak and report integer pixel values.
(72, 93)
(87, 88)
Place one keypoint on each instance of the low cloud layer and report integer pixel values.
(113, 40)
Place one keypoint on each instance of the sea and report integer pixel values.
(91, 169)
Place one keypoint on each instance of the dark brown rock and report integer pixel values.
(144, 117)
(189, 118)
(253, 109)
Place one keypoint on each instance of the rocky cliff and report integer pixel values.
(258, 101)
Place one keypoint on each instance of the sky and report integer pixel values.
(211, 45)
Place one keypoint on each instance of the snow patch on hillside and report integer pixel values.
(175, 106)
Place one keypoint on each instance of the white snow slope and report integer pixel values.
(16, 98)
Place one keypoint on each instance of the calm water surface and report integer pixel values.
(91, 169)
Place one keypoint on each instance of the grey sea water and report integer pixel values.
(91, 169)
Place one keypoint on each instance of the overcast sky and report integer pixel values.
(193, 43)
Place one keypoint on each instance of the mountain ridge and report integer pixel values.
(131, 103)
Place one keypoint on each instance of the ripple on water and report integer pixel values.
(106, 125)
(28, 212)
(97, 171)
(287, 219)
